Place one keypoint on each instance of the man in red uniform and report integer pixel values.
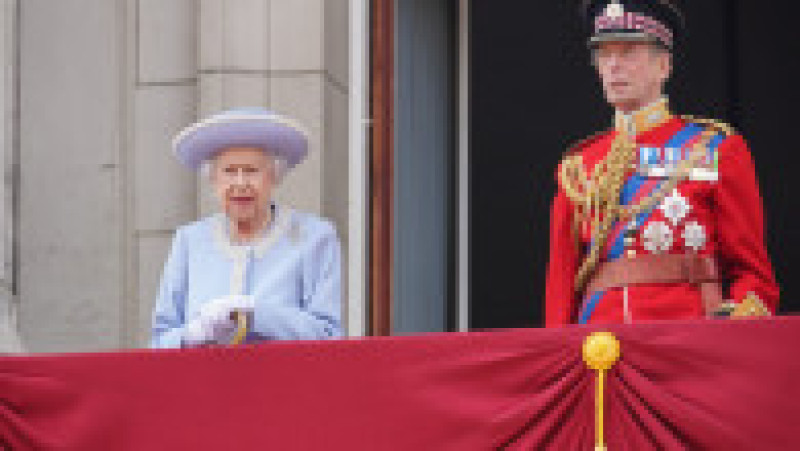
(661, 216)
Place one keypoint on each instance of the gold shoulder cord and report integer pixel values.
(596, 198)
(713, 124)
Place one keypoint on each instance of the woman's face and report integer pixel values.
(243, 179)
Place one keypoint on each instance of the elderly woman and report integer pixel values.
(279, 267)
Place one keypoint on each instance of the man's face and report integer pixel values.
(243, 179)
(633, 74)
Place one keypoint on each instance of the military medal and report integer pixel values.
(694, 236)
(648, 160)
(672, 157)
(675, 207)
(658, 237)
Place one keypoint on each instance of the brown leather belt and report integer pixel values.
(661, 269)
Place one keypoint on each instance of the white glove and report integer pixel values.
(215, 322)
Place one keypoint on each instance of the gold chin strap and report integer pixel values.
(242, 324)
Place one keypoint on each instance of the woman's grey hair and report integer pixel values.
(279, 165)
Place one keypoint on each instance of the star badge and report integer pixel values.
(675, 207)
(658, 237)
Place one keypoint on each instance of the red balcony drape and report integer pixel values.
(695, 385)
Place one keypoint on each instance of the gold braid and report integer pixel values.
(597, 198)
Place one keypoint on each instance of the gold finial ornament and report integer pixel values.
(601, 351)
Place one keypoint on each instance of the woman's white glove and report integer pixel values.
(215, 322)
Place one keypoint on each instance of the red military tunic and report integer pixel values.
(715, 213)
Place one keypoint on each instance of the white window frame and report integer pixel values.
(358, 187)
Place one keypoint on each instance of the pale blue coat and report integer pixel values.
(293, 272)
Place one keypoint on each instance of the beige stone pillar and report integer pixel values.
(104, 87)
(9, 340)
(163, 194)
(72, 179)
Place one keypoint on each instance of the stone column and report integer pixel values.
(104, 85)
(163, 193)
(9, 341)
(72, 178)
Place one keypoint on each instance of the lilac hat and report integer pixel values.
(243, 127)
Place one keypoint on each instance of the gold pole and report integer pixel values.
(600, 440)
(600, 353)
